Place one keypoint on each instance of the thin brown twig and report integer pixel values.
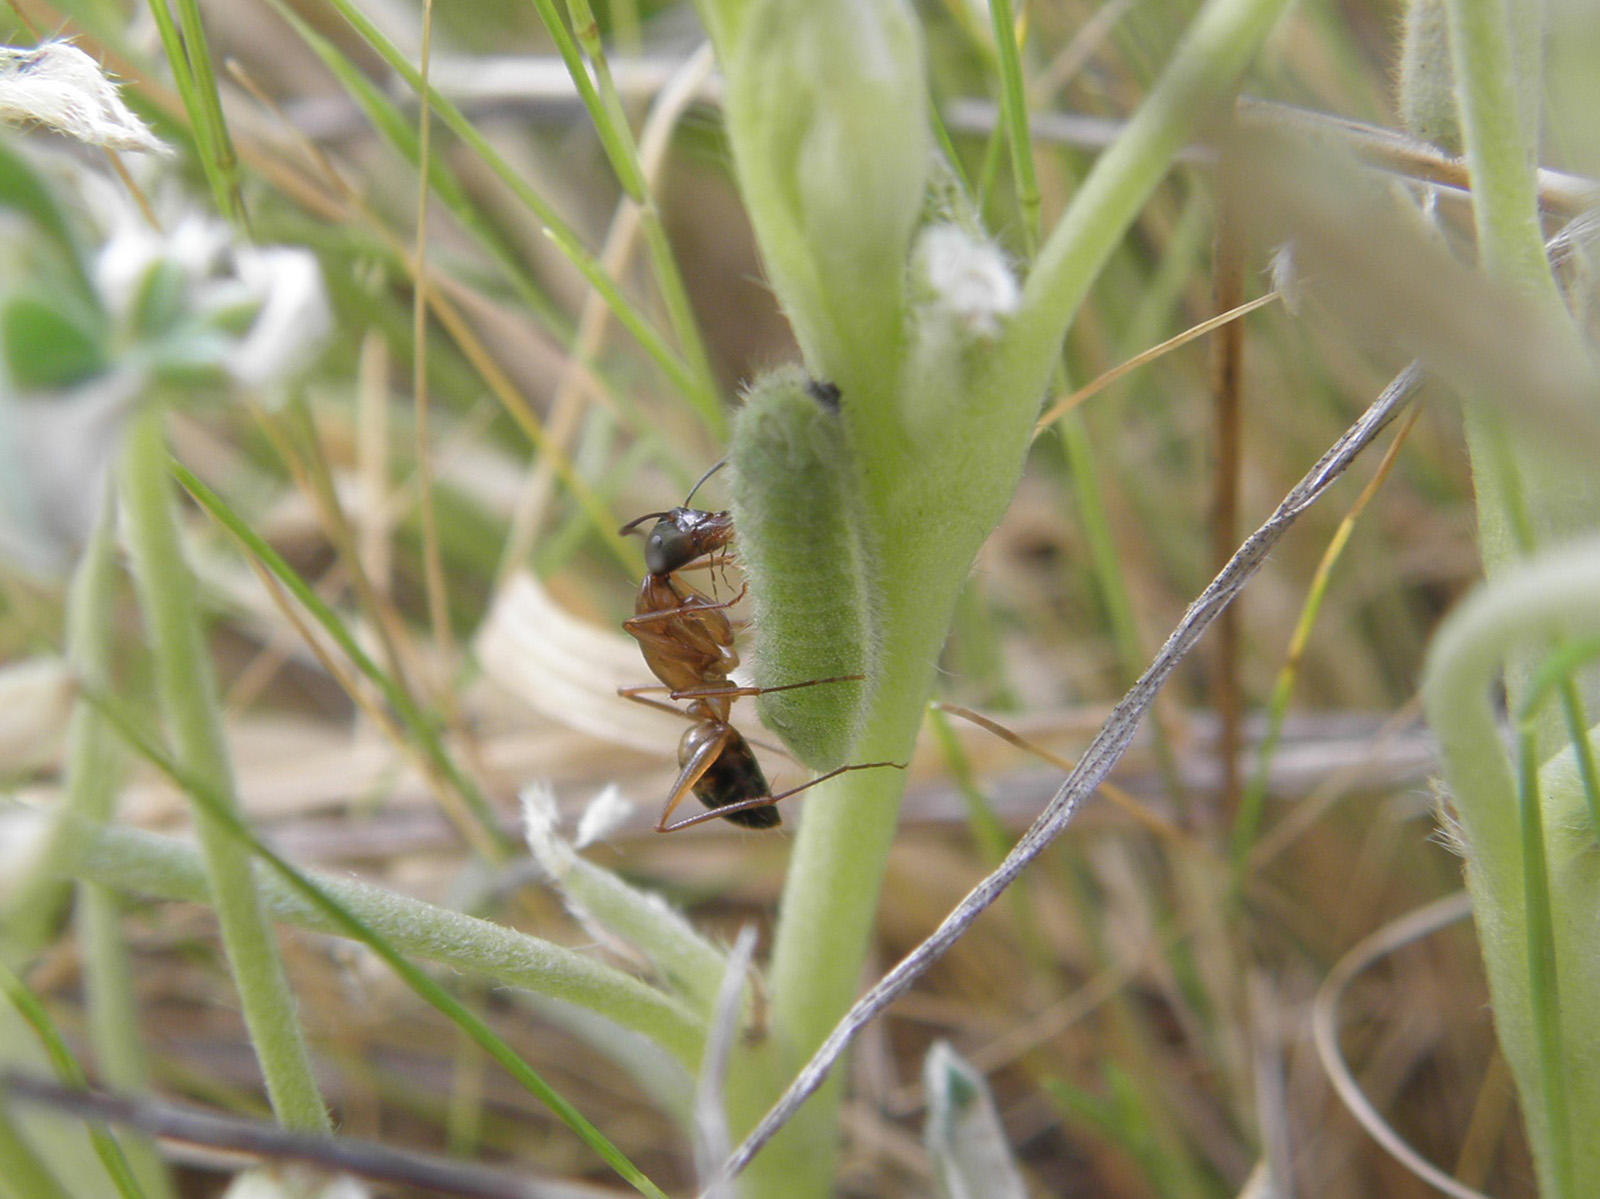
(271, 1142)
(1227, 385)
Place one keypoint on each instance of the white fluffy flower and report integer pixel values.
(964, 279)
(57, 85)
(293, 318)
(282, 284)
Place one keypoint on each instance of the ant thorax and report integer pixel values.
(686, 637)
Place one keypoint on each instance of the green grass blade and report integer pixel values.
(401, 135)
(218, 146)
(555, 226)
(190, 60)
(417, 722)
(1578, 733)
(1543, 985)
(1014, 116)
(70, 1072)
(611, 121)
(424, 986)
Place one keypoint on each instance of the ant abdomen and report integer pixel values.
(733, 776)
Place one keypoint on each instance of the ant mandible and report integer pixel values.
(687, 641)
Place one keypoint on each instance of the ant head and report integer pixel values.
(669, 546)
(683, 535)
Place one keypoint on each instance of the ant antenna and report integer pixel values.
(639, 520)
(703, 478)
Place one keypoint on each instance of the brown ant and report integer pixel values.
(687, 641)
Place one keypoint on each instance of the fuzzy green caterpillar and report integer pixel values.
(795, 506)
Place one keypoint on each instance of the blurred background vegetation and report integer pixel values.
(1143, 1034)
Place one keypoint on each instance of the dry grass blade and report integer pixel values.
(1097, 761)
(710, 1118)
(567, 669)
(271, 1142)
(1067, 403)
(1325, 1029)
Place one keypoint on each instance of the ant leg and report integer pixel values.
(733, 692)
(745, 805)
(691, 637)
(693, 771)
(635, 694)
(1138, 811)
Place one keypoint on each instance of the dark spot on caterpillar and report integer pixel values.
(825, 393)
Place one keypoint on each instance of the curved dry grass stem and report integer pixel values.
(1141, 813)
(1098, 760)
(711, 1137)
(577, 379)
(1067, 403)
(1396, 935)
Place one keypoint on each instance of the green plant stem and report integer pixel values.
(32, 913)
(114, 1022)
(1014, 115)
(22, 1174)
(164, 868)
(925, 531)
(186, 689)
(1497, 90)
(1525, 919)
(1494, 52)
(1218, 45)
(91, 780)
(830, 897)
(1548, 596)
(93, 771)
(1544, 987)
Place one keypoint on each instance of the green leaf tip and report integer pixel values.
(50, 344)
(827, 114)
(796, 507)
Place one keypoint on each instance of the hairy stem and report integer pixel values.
(186, 689)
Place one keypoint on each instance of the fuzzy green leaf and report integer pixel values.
(798, 515)
(47, 346)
